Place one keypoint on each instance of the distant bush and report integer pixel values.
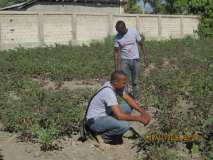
(4, 3)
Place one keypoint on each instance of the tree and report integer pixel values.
(204, 8)
(4, 3)
(133, 7)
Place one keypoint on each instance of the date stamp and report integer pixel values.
(174, 138)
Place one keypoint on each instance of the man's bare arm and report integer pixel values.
(127, 117)
(116, 58)
(122, 116)
(132, 103)
(145, 55)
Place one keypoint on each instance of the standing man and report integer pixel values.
(109, 118)
(126, 54)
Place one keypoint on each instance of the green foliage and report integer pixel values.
(133, 7)
(29, 109)
(35, 105)
(4, 3)
(177, 6)
(162, 152)
(179, 85)
(206, 145)
(45, 114)
(158, 7)
(47, 134)
(62, 62)
(204, 8)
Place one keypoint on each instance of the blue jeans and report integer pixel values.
(110, 126)
(132, 68)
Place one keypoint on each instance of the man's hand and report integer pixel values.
(116, 59)
(146, 63)
(145, 118)
(145, 55)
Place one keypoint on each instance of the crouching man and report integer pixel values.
(110, 119)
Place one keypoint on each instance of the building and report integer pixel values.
(89, 6)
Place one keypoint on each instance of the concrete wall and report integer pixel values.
(75, 8)
(30, 29)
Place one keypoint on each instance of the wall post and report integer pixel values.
(181, 26)
(74, 28)
(138, 23)
(110, 25)
(0, 35)
(159, 26)
(41, 28)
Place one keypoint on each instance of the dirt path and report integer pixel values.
(72, 150)
(71, 85)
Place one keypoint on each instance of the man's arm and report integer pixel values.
(132, 103)
(145, 55)
(140, 39)
(116, 58)
(122, 116)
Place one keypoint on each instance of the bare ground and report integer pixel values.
(72, 149)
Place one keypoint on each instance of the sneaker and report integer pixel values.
(113, 140)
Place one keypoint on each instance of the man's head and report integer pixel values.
(119, 79)
(121, 27)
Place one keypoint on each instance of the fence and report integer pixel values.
(30, 29)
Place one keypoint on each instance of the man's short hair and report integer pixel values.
(120, 24)
(116, 74)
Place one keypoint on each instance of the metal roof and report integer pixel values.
(23, 5)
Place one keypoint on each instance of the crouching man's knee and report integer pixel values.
(124, 126)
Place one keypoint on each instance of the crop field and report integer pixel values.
(178, 83)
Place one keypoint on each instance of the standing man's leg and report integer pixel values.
(125, 66)
(135, 79)
(125, 107)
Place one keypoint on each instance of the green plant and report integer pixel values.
(133, 7)
(46, 134)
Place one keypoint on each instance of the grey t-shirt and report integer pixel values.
(128, 44)
(105, 98)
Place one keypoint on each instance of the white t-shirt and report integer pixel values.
(128, 44)
(107, 97)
